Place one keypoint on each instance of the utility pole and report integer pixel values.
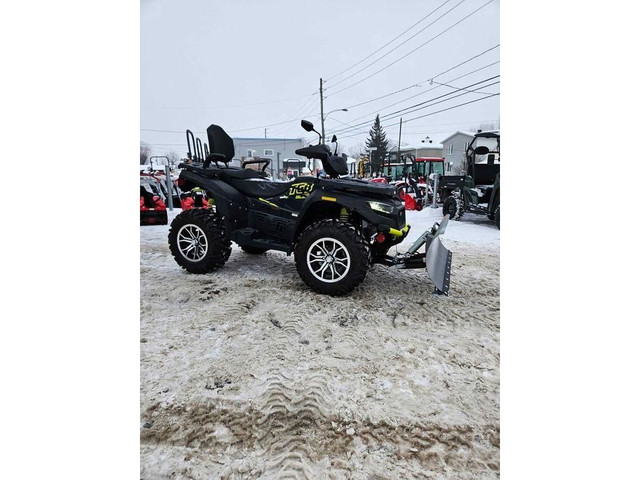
(322, 110)
(265, 133)
(399, 140)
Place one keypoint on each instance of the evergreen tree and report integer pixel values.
(377, 139)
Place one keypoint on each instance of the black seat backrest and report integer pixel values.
(220, 142)
(485, 174)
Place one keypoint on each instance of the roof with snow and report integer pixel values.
(419, 146)
(468, 134)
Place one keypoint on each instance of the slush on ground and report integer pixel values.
(247, 373)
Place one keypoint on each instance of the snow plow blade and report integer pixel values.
(436, 257)
(439, 265)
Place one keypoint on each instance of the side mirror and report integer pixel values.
(334, 139)
(307, 125)
(482, 150)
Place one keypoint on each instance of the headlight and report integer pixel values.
(381, 207)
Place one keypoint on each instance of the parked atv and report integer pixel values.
(479, 190)
(335, 227)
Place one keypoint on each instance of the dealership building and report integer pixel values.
(280, 151)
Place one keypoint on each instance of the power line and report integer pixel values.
(182, 132)
(314, 104)
(311, 106)
(426, 91)
(466, 61)
(398, 46)
(415, 49)
(433, 113)
(456, 88)
(390, 41)
(227, 106)
(405, 110)
(451, 108)
(366, 125)
(305, 104)
(228, 131)
(434, 88)
(430, 78)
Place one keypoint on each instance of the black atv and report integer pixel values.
(479, 190)
(335, 227)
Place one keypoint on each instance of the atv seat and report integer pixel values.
(485, 189)
(228, 174)
(260, 188)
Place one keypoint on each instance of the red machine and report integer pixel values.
(195, 198)
(153, 210)
(378, 180)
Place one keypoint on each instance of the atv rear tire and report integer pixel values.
(197, 241)
(253, 250)
(496, 217)
(331, 257)
(450, 207)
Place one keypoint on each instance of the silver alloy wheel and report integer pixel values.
(192, 242)
(328, 260)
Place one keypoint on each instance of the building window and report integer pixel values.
(249, 153)
(449, 165)
(268, 152)
(451, 149)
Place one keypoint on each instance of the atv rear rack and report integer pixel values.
(436, 258)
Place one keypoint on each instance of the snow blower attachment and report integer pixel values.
(436, 257)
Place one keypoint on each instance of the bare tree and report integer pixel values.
(357, 151)
(174, 159)
(145, 153)
(487, 126)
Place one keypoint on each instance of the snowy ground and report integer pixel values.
(246, 373)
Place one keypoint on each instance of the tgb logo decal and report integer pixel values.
(300, 190)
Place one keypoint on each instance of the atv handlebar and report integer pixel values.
(321, 152)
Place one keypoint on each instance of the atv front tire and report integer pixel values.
(197, 241)
(331, 257)
(450, 207)
(496, 217)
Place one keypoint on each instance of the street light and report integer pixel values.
(323, 118)
(424, 141)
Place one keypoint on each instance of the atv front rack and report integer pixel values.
(436, 257)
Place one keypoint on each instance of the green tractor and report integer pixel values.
(478, 191)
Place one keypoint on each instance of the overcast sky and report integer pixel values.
(248, 65)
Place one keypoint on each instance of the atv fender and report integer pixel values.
(357, 204)
(229, 202)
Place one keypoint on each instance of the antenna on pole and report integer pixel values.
(322, 110)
